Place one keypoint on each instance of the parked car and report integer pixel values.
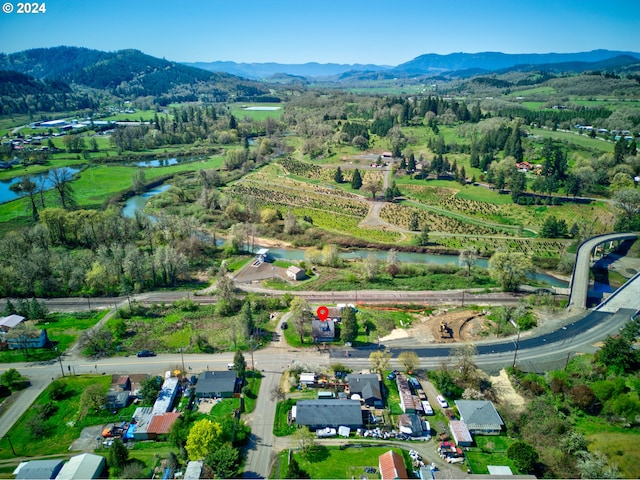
(326, 432)
(441, 400)
(283, 326)
(146, 353)
(391, 376)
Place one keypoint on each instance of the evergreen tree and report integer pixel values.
(233, 124)
(9, 308)
(349, 325)
(356, 181)
(411, 165)
(118, 454)
(414, 222)
(337, 177)
(620, 150)
(462, 176)
(294, 470)
(239, 364)
(247, 318)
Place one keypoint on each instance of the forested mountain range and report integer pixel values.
(265, 70)
(127, 73)
(464, 63)
(433, 63)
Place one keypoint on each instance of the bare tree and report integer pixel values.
(410, 360)
(468, 258)
(301, 316)
(373, 186)
(61, 179)
(380, 361)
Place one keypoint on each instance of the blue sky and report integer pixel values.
(346, 31)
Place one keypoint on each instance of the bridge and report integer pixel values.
(580, 278)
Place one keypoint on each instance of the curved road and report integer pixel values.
(580, 277)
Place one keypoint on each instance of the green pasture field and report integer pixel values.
(389, 89)
(137, 116)
(581, 140)
(546, 91)
(20, 170)
(620, 444)
(238, 111)
(63, 329)
(534, 105)
(99, 183)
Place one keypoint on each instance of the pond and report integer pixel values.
(7, 195)
(164, 162)
(138, 202)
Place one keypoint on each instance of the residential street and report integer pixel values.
(551, 344)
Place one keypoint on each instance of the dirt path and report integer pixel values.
(373, 220)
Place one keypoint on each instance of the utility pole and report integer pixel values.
(11, 445)
(60, 360)
(515, 354)
(251, 349)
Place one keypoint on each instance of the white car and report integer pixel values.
(326, 432)
(443, 403)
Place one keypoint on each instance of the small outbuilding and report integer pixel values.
(194, 469)
(38, 469)
(117, 400)
(296, 273)
(9, 322)
(368, 387)
(391, 466)
(460, 433)
(82, 467)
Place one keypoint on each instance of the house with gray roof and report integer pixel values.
(480, 416)
(329, 413)
(219, 383)
(368, 387)
(323, 331)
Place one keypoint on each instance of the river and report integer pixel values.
(296, 254)
(138, 202)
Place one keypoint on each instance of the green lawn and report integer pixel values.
(332, 462)
(62, 426)
(281, 428)
(63, 330)
(490, 450)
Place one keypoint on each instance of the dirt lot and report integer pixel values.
(456, 326)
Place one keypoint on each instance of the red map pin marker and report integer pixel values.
(322, 313)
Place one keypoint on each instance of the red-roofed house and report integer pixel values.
(391, 466)
(161, 424)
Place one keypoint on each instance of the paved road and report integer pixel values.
(535, 352)
(580, 277)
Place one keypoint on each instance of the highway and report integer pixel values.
(580, 277)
